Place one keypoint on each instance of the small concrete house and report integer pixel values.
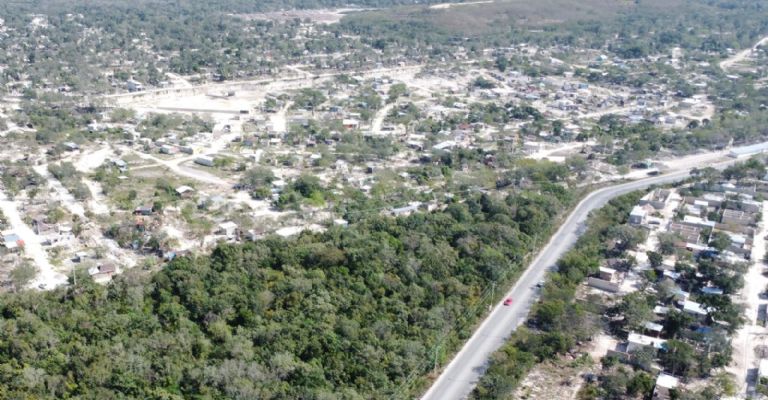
(184, 191)
(228, 229)
(637, 215)
(636, 341)
(133, 85)
(664, 384)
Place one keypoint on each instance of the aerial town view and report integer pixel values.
(384, 199)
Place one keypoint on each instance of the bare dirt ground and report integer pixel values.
(176, 234)
(559, 380)
(60, 192)
(88, 161)
(671, 164)
(279, 121)
(178, 80)
(558, 152)
(48, 276)
(185, 171)
(92, 236)
(378, 120)
(295, 230)
(602, 343)
(751, 335)
(248, 94)
(98, 203)
(321, 16)
(259, 208)
(444, 6)
(694, 159)
(741, 56)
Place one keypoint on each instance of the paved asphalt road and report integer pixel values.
(461, 375)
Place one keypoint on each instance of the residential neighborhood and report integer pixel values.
(689, 276)
(383, 199)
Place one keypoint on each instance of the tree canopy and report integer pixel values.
(351, 313)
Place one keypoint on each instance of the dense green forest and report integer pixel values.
(353, 313)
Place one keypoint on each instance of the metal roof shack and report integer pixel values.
(692, 307)
(746, 151)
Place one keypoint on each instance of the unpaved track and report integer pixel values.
(740, 56)
(47, 273)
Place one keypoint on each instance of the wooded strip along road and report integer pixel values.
(461, 375)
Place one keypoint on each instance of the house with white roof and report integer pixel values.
(636, 341)
(637, 215)
(228, 229)
(693, 308)
(665, 383)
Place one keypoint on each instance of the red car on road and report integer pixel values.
(508, 301)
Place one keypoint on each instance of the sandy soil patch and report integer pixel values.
(751, 335)
(47, 277)
(88, 161)
(320, 16)
(445, 6)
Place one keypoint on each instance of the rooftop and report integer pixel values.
(647, 340)
(638, 211)
(736, 214)
(690, 219)
(228, 225)
(694, 307)
(183, 189)
(666, 381)
(652, 326)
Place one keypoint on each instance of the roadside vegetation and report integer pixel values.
(696, 347)
(559, 321)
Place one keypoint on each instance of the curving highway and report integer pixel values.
(461, 375)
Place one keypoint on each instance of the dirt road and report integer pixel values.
(378, 120)
(751, 334)
(48, 277)
(74, 206)
(187, 172)
(67, 200)
(279, 121)
(740, 56)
